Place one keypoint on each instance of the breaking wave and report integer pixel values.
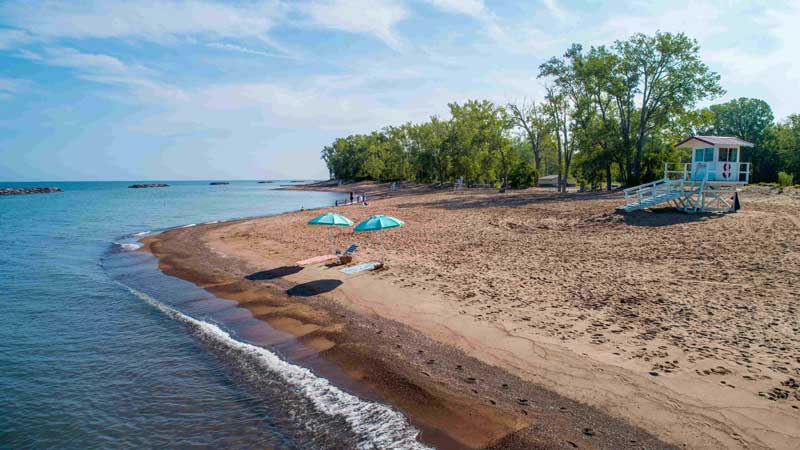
(375, 424)
(127, 246)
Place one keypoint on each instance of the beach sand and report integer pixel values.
(539, 320)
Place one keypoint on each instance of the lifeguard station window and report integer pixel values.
(704, 155)
(728, 155)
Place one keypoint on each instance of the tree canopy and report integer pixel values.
(610, 113)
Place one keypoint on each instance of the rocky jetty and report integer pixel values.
(35, 190)
(217, 183)
(149, 185)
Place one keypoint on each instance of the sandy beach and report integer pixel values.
(538, 320)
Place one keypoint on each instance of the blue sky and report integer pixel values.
(139, 89)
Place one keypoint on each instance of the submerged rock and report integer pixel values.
(35, 190)
(148, 185)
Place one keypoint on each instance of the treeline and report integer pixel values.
(609, 114)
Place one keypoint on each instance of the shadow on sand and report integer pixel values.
(313, 288)
(271, 274)
(666, 216)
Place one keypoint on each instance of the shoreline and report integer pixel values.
(345, 325)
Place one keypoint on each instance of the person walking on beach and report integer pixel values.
(351, 197)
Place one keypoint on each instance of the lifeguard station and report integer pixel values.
(707, 184)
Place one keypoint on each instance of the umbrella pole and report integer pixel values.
(383, 252)
(333, 242)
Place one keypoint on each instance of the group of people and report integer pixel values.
(354, 199)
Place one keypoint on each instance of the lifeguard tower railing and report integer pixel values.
(691, 187)
(713, 172)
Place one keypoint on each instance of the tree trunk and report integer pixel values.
(535, 147)
(608, 177)
(558, 142)
(637, 162)
(567, 157)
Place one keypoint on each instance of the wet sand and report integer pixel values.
(537, 320)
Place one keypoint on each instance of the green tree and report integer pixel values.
(558, 109)
(671, 80)
(782, 143)
(748, 119)
(478, 140)
(531, 119)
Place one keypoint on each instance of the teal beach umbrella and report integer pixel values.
(378, 223)
(331, 220)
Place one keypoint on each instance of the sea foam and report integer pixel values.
(376, 425)
(128, 246)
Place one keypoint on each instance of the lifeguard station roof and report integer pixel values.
(722, 141)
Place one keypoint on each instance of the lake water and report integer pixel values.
(99, 349)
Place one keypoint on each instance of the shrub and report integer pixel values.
(784, 179)
(523, 175)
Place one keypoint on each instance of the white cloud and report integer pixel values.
(246, 50)
(554, 9)
(767, 70)
(373, 17)
(140, 81)
(698, 20)
(10, 38)
(474, 8)
(12, 86)
(522, 38)
(73, 59)
(335, 104)
(142, 19)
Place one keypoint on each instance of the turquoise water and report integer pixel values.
(98, 349)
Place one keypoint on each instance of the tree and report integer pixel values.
(671, 79)
(782, 144)
(429, 153)
(616, 84)
(583, 79)
(558, 109)
(478, 140)
(748, 119)
(530, 118)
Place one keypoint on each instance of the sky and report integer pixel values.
(188, 89)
